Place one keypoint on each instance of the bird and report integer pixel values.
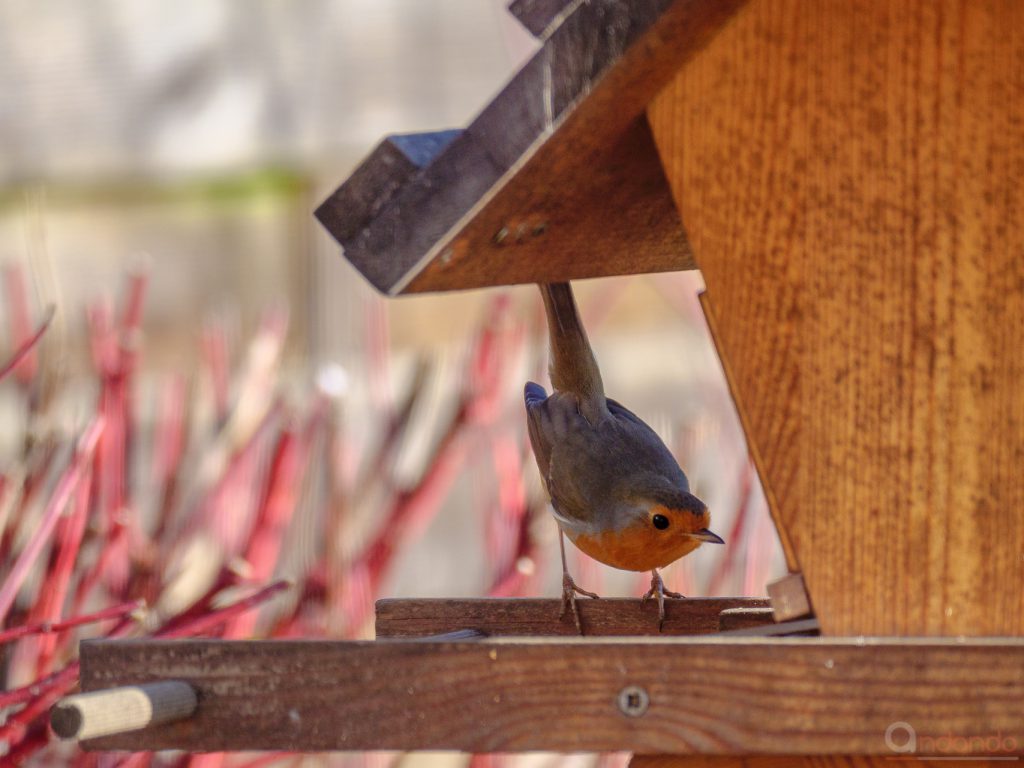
(617, 493)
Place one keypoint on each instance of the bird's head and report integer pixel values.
(654, 530)
(678, 516)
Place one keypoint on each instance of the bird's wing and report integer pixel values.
(535, 396)
(649, 456)
(572, 458)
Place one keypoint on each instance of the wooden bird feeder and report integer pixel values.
(848, 177)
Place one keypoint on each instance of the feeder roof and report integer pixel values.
(557, 178)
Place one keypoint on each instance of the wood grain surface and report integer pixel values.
(849, 176)
(705, 695)
(745, 618)
(578, 209)
(589, 181)
(538, 15)
(557, 178)
(790, 761)
(540, 617)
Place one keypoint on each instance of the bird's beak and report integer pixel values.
(706, 536)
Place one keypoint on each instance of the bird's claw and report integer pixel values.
(658, 590)
(569, 590)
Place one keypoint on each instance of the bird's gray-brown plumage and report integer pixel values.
(609, 475)
(589, 447)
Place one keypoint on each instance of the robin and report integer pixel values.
(616, 490)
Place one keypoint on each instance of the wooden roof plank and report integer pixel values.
(539, 16)
(547, 141)
(374, 183)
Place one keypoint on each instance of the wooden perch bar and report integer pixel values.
(744, 618)
(540, 617)
(713, 695)
(123, 709)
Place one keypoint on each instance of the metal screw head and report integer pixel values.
(633, 701)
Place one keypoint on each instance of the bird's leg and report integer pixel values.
(569, 588)
(658, 590)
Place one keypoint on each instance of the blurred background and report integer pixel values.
(222, 419)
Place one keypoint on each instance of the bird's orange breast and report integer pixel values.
(636, 548)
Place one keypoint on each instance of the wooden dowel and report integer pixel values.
(118, 710)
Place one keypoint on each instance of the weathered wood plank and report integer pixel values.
(568, 218)
(538, 15)
(556, 178)
(849, 179)
(745, 618)
(706, 695)
(816, 761)
(374, 184)
(540, 617)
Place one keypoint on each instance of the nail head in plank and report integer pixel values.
(713, 695)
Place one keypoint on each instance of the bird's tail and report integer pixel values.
(572, 365)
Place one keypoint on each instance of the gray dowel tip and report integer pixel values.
(118, 710)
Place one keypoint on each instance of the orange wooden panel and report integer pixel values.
(849, 176)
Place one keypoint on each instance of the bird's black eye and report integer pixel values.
(660, 522)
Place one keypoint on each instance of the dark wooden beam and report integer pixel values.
(539, 16)
(711, 695)
(378, 179)
(556, 179)
(540, 617)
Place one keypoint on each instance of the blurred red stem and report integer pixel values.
(27, 346)
(205, 623)
(47, 627)
(65, 486)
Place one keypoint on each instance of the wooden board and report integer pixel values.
(539, 617)
(849, 176)
(556, 178)
(704, 695)
(575, 210)
(539, 16)
(743, 617)
(818, 761)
